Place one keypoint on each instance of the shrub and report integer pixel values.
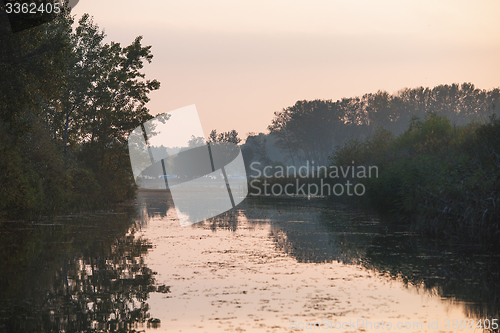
(443, 179)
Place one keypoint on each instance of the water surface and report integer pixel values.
(273, 265)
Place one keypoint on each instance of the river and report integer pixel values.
(269, 265)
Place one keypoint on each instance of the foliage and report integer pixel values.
(255, 150)
(443, 178)
(67, 103)
(309, 129)
(231, 136)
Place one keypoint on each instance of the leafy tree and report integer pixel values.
(231, 136)
(67, 103)
(196, 141)
(255, 150)
(33, 65)
(309, 129)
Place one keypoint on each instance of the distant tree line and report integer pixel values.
(437, 150)
(309, 130)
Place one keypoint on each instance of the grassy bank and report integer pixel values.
(442, 178)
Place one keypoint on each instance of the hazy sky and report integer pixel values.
(240, 61)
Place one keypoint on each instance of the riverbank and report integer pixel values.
(442, 179)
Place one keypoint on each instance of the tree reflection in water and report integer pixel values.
(83, 274)
(319, 231)
(156, 204)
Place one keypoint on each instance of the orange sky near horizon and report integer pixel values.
(240, 61)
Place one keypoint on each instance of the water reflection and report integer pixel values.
(254, 267)
(318, 232)
(79, 273)
(158, 204)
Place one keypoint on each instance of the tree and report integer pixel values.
(113, 103)
(255, 150)
(231, 136)
(309, 129)
(32, 64)
(67, 103)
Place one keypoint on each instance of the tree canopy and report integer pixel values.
(68, 100)
(309, 130)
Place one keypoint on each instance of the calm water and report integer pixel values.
(275, 265)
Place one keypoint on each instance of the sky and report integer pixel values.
(240, 61)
